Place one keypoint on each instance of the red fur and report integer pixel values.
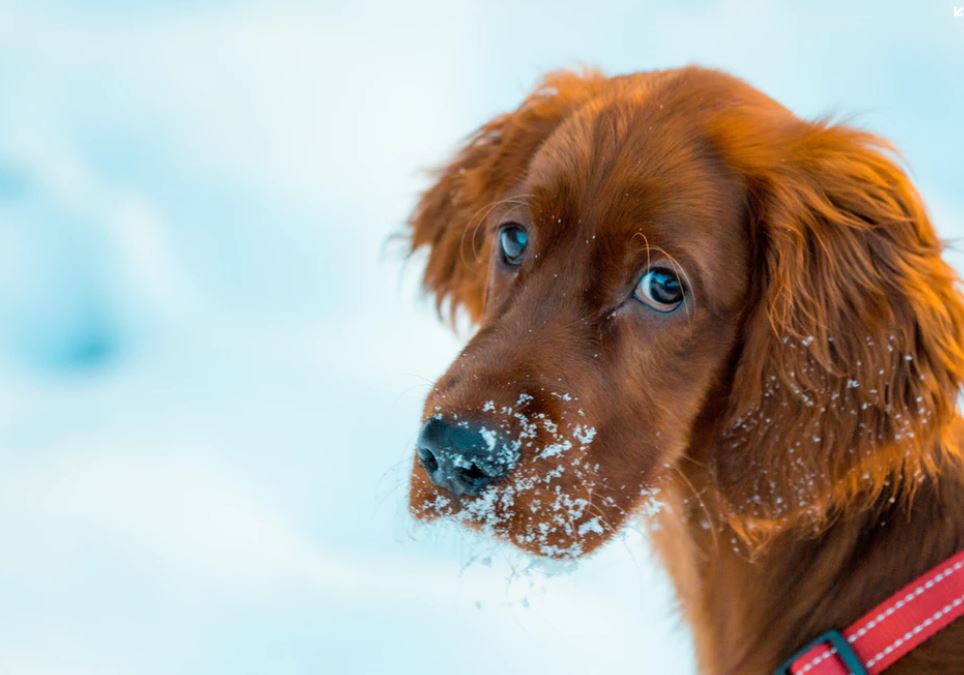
(798, 420)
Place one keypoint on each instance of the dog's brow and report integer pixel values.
(504, 208)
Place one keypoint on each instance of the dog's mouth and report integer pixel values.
(557, 523)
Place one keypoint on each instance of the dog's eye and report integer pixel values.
(513, 241)
(660, 289)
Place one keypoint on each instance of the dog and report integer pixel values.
(691, 302)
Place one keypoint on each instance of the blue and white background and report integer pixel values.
(212, 363)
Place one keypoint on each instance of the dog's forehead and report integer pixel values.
(625, 175)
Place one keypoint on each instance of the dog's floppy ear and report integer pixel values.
(449, 218)
(852, 359)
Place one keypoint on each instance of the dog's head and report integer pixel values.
(671, 265)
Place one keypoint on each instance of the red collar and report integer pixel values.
(891, 629)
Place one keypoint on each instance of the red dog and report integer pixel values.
(686, 293)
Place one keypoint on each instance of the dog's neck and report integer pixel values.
(750, 612)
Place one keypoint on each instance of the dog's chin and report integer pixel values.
(555, 524)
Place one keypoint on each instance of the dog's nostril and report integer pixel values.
(473, 475)
(427, 458)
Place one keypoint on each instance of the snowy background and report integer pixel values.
(212, 364)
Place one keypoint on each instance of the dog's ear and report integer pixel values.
(852, 359)
(450, 216)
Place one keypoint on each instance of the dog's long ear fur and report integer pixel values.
(450, 217)
(852, 359)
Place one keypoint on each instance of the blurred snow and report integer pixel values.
(212, 362)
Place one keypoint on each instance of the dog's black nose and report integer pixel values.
(461, 457)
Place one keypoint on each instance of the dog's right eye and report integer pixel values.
(513, 241)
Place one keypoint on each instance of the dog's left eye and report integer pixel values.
(513, 241)
(660, 289)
